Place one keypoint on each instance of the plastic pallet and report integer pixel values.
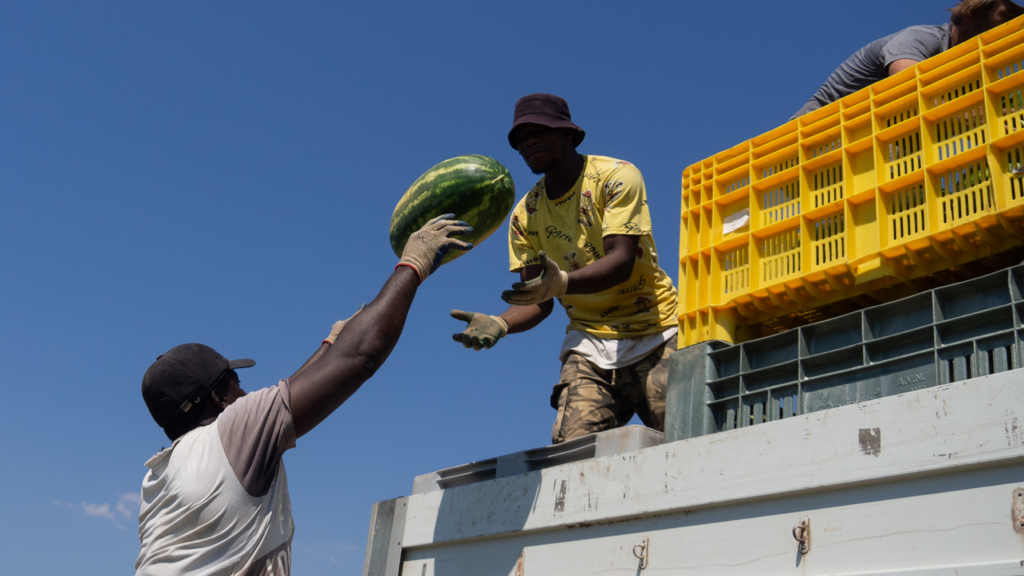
(945, 335)
(916, 174)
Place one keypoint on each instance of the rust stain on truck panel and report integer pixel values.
(560, 499)
(871, 441)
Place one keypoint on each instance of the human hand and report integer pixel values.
(552, 283)
(426, 246)
(483, 331)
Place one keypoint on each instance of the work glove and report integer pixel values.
(483, 331)
(336, 329)
(426, 246)
(551, 283)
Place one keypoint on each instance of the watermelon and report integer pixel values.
(477, 189)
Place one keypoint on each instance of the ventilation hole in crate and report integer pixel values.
(904, 155)
(1015, 171)
(965, 192)
(829, 239)
(1010, 69)
(998, 359)
(755, 413)
(957, 92)
(1012, 111)
(822, 149)
(959, 368)
(725, 417)
(905, 114)
(780, 166)
(960, 133)
(736, 270)
(907, 212)
(827, 185)
(786, 407)
(781, 255)
(734, 186)
(780, 203)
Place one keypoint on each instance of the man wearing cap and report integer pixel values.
(582, 235)
(216, 502)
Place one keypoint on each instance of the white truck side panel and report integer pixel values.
(921, 480)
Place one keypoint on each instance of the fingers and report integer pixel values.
(453, 244)
(527, 286)
(456, 228)
(520, 298)
(464, 316)
(439, 218)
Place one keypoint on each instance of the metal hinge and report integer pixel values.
(641, 549)
(802, 533)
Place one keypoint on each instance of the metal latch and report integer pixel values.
(802, 533)
(640, 550)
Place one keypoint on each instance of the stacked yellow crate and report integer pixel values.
(857, 201)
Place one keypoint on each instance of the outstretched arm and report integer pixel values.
(335, 331)
(369, 337)
(361, 348)
(613, 269)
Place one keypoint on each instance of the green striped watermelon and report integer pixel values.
(475, 188)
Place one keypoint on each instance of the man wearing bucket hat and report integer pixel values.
(582, 235)
(216, 501)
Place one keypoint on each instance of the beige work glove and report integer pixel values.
(426, 246)
(336, 329)
(552, 283)
(483, 331)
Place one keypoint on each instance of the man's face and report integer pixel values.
(234, 389)
(541, 147)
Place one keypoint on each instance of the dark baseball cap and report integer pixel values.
(181, 377)
(546, 110)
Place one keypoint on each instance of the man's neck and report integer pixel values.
(563, 176)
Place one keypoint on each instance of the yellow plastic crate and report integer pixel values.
(865, 200)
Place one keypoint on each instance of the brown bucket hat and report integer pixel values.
(546, 110)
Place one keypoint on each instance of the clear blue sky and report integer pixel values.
(226, 172)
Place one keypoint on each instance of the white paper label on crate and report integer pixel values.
(735, 221)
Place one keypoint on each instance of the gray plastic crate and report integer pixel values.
(952, 333)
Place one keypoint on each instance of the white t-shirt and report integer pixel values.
(216, 502)
(611, 354)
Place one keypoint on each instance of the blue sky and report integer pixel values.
(226, 172)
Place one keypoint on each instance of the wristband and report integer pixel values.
(414, 269)
(326, 341)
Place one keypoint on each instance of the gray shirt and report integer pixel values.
(871, 63)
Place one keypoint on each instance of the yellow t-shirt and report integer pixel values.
(609, 198)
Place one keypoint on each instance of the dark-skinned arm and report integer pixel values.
(523, 318)
(316, 356)
(331, 337)
(369, 336)
(361, 348)
(613, 269)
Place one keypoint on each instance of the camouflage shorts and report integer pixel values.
(591, 399)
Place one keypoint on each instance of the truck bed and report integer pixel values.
(927, 482)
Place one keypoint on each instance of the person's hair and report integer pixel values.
(972, 15)
(193, 418)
